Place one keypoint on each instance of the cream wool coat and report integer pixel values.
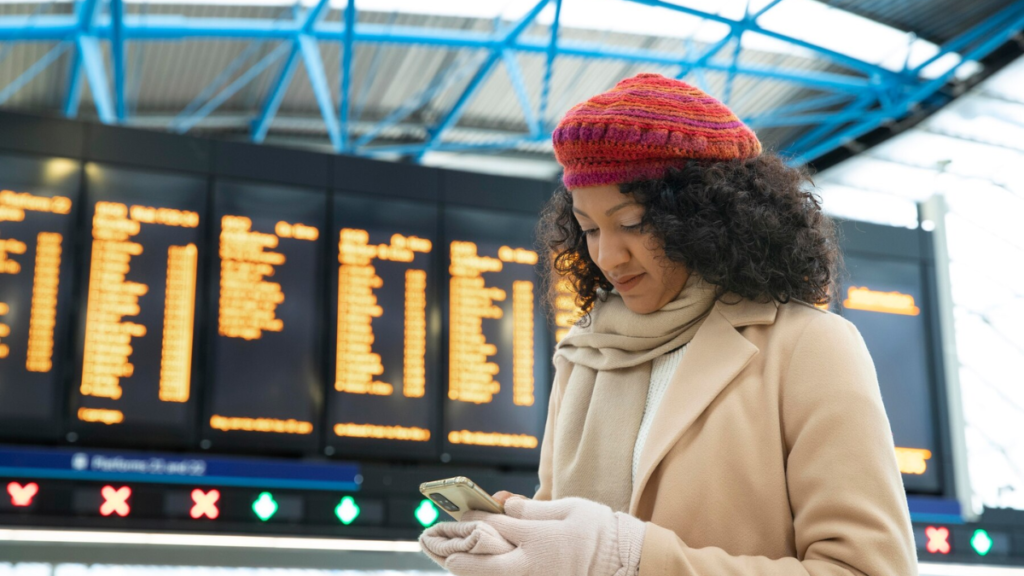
(770, 454)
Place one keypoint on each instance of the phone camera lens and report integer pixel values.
(444, 502)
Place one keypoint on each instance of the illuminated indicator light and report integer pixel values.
(864, 298)
(205, 504)
(347, 510)
(115, 500)
(938, 540)
(265, 506)
(981, 542)
(913, 460)
(21, 496)
(426, 513)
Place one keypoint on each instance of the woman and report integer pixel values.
(706, 418)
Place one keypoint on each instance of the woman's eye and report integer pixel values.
(634, 227)
(590, 232)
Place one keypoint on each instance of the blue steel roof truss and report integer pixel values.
(867, 95)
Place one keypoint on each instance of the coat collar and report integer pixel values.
(715, 356)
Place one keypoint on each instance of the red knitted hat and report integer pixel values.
(643, 126)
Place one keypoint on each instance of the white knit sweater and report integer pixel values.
(662, 370)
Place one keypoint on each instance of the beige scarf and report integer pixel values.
(603, 404)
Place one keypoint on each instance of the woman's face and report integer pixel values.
(630, 258)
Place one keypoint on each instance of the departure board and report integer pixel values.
(136, 337)
(265, 373)
(38, 202)
(384, 393)
(498, 340)
(885, 301)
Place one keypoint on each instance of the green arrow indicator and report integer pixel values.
(427, 513)
(981, 542)
(265, 506)
(347, 510)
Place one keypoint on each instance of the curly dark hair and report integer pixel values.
(750, 227)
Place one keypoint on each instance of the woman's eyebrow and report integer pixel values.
(607, 212)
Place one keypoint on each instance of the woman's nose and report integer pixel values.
(611, 252)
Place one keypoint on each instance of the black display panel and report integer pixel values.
(265, 373)
(498, 339)
(38, 206)
(142, 244)
(384, 386)
(885, 300)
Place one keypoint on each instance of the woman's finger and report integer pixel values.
(502, 495)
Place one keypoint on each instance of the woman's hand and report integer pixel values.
(567, 537)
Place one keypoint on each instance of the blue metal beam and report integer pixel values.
(346, 72)
(33, 71)
(848, 61)
(996, 37)
(515, 75)
(805, 104)
(455, 112)
(318, 80)
(92, 62)
(182, 125)
(280, 87)
(764, 9)
(455, 72)
(84, 15)
(174, 27)
(549, 65)
(704, 57)
(211, 89)
(1003, 18)
(897, 92)
(315, 14)
(117, 56)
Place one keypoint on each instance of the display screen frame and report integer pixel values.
(264, 443)
(429, 214)
(61, 176)
(128, 433)
(462, 223)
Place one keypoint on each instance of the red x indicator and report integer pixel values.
(115, 500)
(21, 496)
(205, 504)
(938, 540)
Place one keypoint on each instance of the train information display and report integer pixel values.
(136, 340)
(885, 300)
(267, 318)
(38, 201)
(386, 366)
(498, 338)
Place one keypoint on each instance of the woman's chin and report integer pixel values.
(640, 305)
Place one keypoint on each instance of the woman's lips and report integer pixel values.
(629, 284)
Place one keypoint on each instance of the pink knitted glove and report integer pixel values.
(446, 538)
(567, 537)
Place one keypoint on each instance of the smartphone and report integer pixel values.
(459, 494)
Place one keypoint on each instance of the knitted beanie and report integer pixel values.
(642, 127)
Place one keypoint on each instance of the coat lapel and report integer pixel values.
(715, 356)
